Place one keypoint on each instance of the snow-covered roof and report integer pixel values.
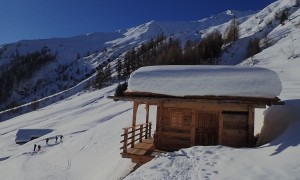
(206, 81)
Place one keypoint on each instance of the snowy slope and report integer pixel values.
(92, 125)
(78, 57)
(257, 26)
(278, 159)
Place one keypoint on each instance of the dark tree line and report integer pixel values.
(22, 67)
(103, 77)
(163, 51)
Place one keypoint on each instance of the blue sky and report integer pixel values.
(38, 19)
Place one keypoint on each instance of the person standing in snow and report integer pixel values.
(39, 148)
(56, 139)
(47, 140)
(61, 137)
(34, 147)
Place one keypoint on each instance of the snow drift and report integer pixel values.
(277, 119)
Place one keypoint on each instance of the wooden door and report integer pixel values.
(207, 128)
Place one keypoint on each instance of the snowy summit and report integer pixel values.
(206, 81)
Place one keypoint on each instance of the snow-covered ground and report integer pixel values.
(92, 124)
(278, 159)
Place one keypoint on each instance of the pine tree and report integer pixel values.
(119, 69)
(283, 17)
(253, 47)
(107, 73)
(232, 31)
(120, 89)
(210, 48)
(99, 82)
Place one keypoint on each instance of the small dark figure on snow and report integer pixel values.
(34, 147)
(47, 140)
(56, 139)
(39, 147)
(61, 137)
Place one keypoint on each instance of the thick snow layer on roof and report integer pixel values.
(206, 81)
(25, 135)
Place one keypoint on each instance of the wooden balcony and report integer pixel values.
(138, 143)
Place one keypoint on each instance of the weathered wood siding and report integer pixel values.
(175, 130)
(235, 129)
(207, 128)
(182, 125)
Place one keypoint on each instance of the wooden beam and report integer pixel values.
(176, 135)
(251, 126)
(208, 106)
(159, 124)
(147, 119)
(147, 112)
(125, 141)
(221, 122)
(135, 109)
(156, 99)
(193, 126)
(159, 117)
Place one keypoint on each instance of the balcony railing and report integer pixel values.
(136, 133)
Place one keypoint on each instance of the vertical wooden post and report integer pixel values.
(193, 128)
(149, 133)
(251, 126)
(147, 119)
(158, 124)
(135, 108)
(160, 117)
(125, 140)
(220, 133)
(141, 132)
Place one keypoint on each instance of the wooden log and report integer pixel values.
(147, 119)
(149, 133)
(207, 106)
(193, 125)
(177, 135)
(159, 117)
(220, 129)
(193, 136)
(141, 133)
(125, 141)
(251, 126)
(135, 108)
(235, 133)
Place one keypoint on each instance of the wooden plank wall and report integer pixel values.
(235, 124)
(174, 137)
(235, 129)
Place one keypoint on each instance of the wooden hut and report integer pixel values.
(197, 118)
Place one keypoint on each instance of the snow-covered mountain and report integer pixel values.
(92, 124)
(78, 57)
